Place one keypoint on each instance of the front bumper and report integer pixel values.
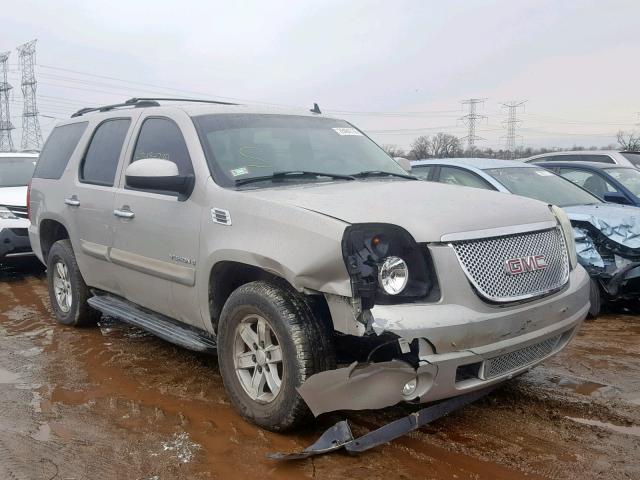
(464, 347)
(14, 242)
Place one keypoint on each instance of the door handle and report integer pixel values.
(72, 201)
(124, 212)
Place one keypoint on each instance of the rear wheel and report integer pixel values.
(269, 343)
(67, 290)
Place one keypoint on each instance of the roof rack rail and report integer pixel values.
(142, 102)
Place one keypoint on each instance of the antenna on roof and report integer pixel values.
(315, 109)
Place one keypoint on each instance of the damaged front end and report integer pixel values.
(441, 336)
(609, 249)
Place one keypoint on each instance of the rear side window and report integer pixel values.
(161, 138)
(60, 146)
(597, 158)
(457, 176)
(101, 160)
(422, 171)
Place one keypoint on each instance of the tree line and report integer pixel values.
(445, 145)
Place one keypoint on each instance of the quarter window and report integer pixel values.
(102, 157)
(161, 138)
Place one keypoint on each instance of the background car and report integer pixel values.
(611, 183)
(616, 157)
(15, 173)
(607, 235)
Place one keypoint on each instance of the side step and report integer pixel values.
(161, 326)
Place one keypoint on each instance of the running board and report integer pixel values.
(160, 325)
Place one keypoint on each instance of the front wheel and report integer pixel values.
(269, 343)
(67, 290)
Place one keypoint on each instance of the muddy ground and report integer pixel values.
(115, 403)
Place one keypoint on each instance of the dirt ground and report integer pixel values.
(115, 403)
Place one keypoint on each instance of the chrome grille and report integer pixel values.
(497, 366)
(483, 261)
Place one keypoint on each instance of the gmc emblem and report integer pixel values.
(530, 263)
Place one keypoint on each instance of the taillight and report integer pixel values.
(29, 200)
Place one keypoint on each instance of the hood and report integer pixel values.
(14, 196)
(427, 210)
(620, 223)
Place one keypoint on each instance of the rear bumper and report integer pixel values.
(14, 242)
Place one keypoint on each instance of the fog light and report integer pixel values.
(410, 387)
(393, 275)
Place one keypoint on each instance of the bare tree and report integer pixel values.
(420, 148)
(444, 145)
(628, 141)
(394, 151)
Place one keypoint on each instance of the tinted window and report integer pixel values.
(101, 160)
(247, 146)
(16, 171)
(422, 171)
(457, 176)
(597, 158)
(161, 138)
(60, 146)
(542, 185)
(568, 158)
(590, 181)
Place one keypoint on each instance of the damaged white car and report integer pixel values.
(324, 276)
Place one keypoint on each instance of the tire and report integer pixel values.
(75, 310)
(305, 345)
(595, 298)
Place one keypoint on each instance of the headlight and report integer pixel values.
(6, 214)
(567, 232)
(385, 264)
(393, 275)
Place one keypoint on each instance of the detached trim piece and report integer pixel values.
(339, 436)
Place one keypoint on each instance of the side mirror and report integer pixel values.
(616, 197)
(157, 174)
(404, 163)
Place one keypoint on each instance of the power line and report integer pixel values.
(31, 134)
(471, 119)
(6, 142)
(511, 123)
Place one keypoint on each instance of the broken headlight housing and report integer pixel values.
(567, 232)
(385, 264)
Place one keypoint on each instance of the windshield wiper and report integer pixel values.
(381, 173)
(292, 174)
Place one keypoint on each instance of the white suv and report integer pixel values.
(618, 157)
(324, 276)
(15, 173)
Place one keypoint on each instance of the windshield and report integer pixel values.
(542, 185)
(243, 146)
(632, 157)
(629, 177)
(16, 171)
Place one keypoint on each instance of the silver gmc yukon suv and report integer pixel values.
(323, 276)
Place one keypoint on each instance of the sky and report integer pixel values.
(395, 69)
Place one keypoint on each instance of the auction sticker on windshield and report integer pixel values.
(346, 131)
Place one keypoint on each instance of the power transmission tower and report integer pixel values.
(31, 134)
(470, 120)
(6, 142)
(510, 124)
